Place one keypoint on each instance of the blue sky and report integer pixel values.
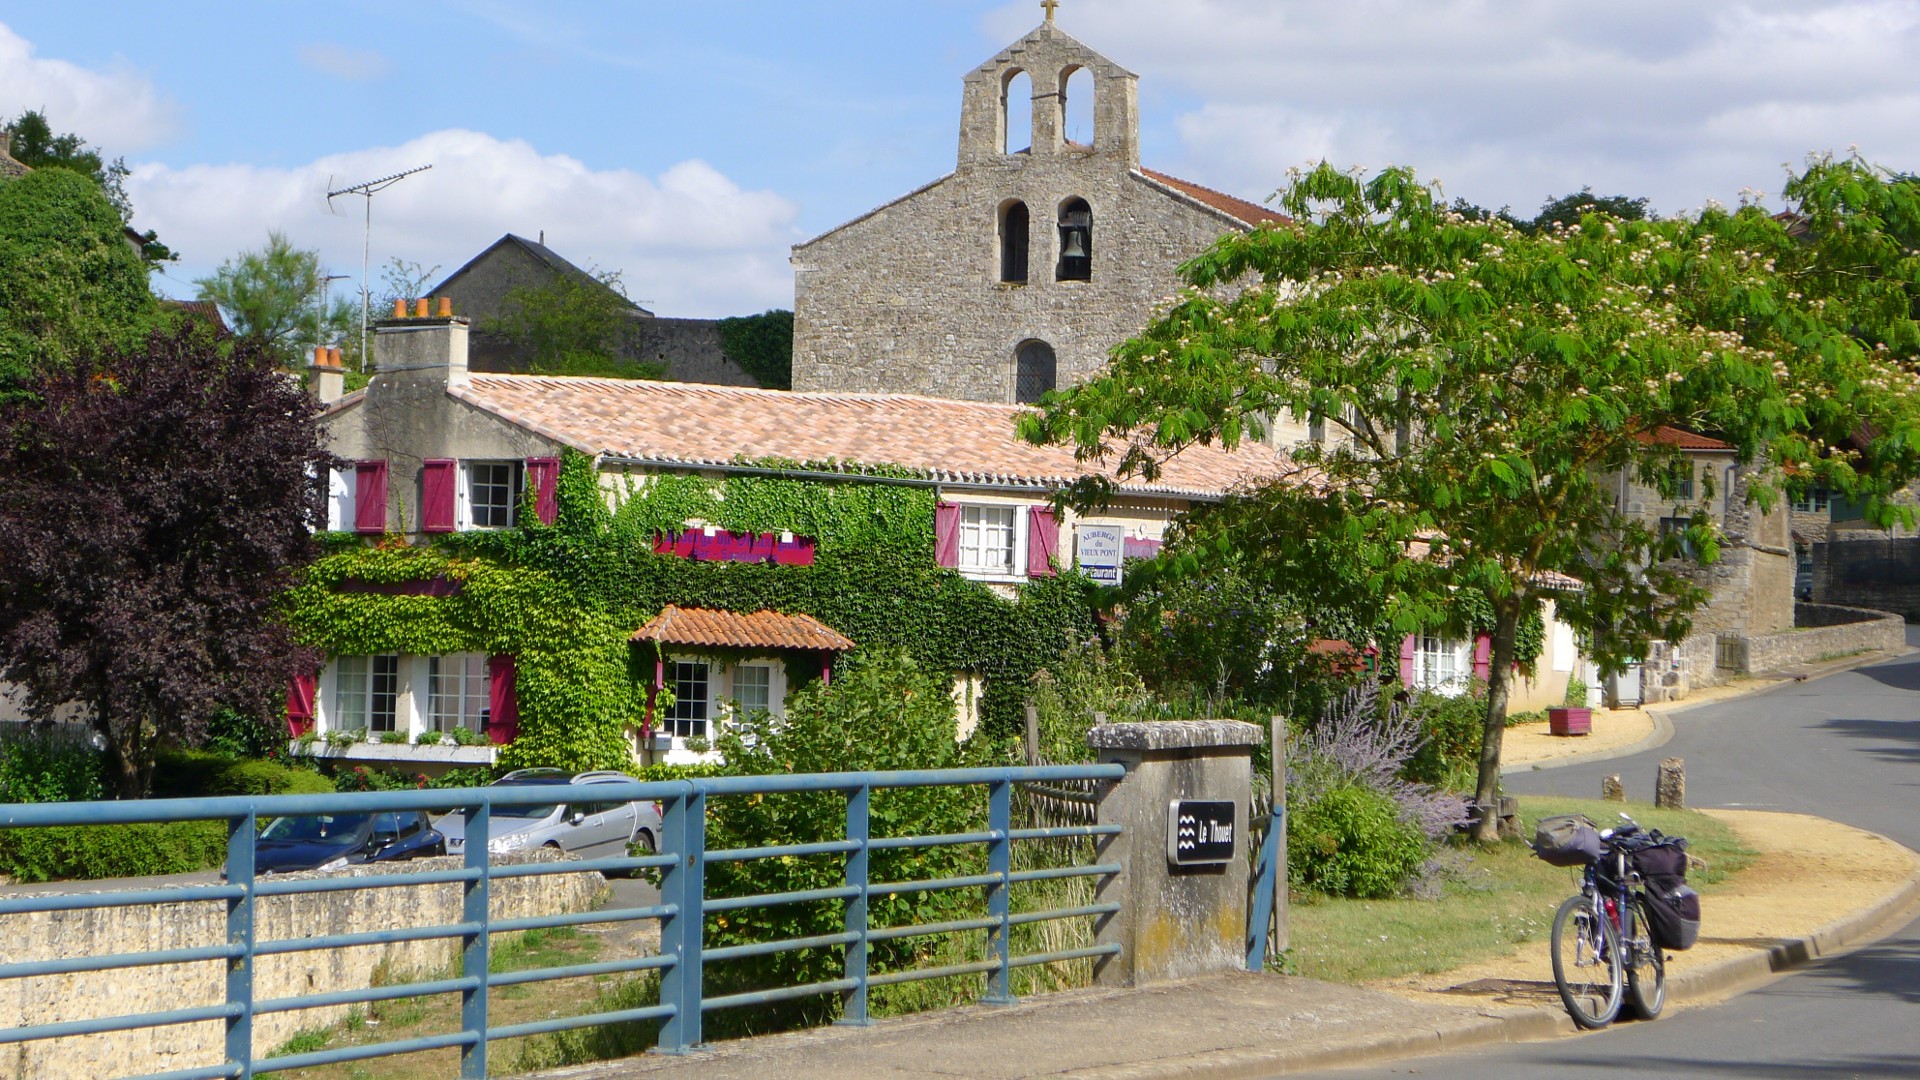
(688, 145)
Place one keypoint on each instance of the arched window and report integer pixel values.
(1016, 112)
(1076, 107)
(1076, 241)
(1013, 241)
(1034, 371)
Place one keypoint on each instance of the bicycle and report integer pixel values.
(1604, 956)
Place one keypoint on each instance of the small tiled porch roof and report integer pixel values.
(731, 629)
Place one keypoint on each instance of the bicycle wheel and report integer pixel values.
(1586, 963)
(1646, 966)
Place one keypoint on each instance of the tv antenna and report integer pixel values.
(367, 190)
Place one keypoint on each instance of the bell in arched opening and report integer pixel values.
(1076, 241)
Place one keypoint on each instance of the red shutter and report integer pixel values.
(1409, 648)
(543, 474)
(503, 701)
(1043, 541)
(300, 691)
(946, 534)
(1483, 657)
(436, 495)
(370, 496)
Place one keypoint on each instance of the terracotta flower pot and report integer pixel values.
(1569, 721)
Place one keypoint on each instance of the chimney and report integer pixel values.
(414, 341)
(326, 375)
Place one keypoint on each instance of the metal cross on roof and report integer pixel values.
(1048, 6)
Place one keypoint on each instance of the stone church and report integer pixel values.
(1019, 270)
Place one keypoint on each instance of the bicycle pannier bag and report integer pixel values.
(1663, 860)
(1567, 840)
(1673, 916)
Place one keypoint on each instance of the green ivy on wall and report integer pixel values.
(564, 599)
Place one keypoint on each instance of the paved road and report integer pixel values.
(1846, 747)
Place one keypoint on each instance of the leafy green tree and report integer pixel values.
(1486, 385)
(35, 144)
(69, 282)
(762, 344)
(275, 297)
(1569, 210)
(573, 325)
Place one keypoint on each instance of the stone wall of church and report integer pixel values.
(909, 298)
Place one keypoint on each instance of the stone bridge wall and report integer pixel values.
(68, 934)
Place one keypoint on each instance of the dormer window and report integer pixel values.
(1076, 241)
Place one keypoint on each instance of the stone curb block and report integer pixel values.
(1746, 972)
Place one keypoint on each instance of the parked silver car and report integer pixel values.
(574, 822)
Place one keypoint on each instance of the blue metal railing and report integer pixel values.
(682, 910)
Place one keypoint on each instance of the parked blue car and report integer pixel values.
(331, 841)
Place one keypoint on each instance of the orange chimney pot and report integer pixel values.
(420, 308)
(333, 357)
(399, 308)
(446, 307)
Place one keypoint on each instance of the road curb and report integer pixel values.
(1742, 973)
(1662, 715)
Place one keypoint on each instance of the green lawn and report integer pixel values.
(1493, 900)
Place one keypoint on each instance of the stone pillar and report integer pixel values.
(1174, 922)
(1612, 790)
(1670, 790)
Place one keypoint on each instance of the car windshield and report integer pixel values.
(321, 828)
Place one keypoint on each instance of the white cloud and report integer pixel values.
(688, 243)
(353, 65)
(1515, 101)
(118, 110)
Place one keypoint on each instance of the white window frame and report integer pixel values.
(1017, 570)
(517, 486)
(1442, 665)
(676, 720)
(462, 679)
(776, 672)
(361, 669)
(768, 703)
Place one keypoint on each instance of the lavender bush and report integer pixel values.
(1358, 745)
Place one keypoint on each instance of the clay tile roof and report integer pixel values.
(760, 630)
(953, 442)
(1685, 440)
(205, 310)
(1250, 212)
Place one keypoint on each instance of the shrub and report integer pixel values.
(103, 851)
(200, 773)
(1353, 841)
(1450, 735)
(45, 767)
(1364, 744)
(881, 712)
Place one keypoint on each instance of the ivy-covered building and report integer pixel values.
(584, 572)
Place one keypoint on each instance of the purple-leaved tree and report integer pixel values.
(154, 502)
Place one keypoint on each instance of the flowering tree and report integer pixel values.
(1482, 387)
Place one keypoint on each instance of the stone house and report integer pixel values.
(432, 447)
(1752, 582)
(1019, 270)
(689, 349)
